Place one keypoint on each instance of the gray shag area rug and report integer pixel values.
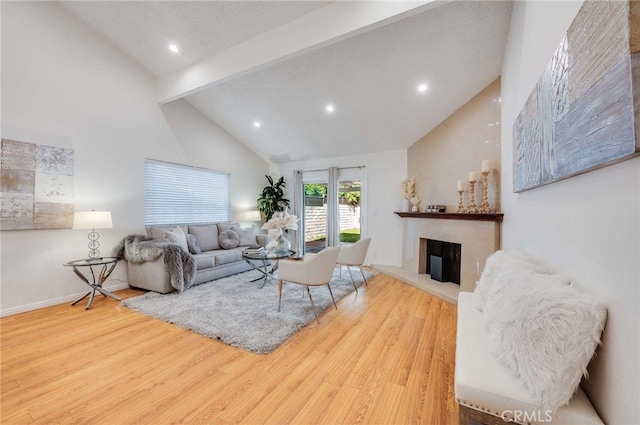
(239, 313)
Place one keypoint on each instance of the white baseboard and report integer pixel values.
(55, 301)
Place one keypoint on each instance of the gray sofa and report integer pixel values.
(214, 262)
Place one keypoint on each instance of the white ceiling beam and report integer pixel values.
(327, 25)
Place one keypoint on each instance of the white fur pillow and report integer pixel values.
(503, 260)
(545, 331)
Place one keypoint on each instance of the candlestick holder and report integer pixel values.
(484, 183)
(461, 208)
(472, 197)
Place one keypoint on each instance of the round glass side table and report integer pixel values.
(97, 277)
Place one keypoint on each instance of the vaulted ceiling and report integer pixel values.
(281, 64)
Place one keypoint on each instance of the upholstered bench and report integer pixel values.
(488, 393)
(485, 389)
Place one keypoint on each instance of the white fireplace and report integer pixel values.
(479, 238)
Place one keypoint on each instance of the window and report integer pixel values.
(180, 194)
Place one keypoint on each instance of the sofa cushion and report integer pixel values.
(227, 256)
(157, 232)
(204, 260)
(192, 243)
(207, 236)
(229, 239)
(178, 237)
(544, 331)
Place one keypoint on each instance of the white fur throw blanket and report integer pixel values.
(180, 265)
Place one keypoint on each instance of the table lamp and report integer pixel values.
(93, 220)
(253, 215)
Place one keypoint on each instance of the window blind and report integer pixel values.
(179, 194)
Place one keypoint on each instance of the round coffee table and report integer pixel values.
(264, 259)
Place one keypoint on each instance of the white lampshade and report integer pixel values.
(92, 220)
(253, 215)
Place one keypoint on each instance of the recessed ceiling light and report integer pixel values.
(329, 108)
(422, 88)
(173, 48)
(257, 124)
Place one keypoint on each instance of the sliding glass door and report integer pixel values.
(345, 216)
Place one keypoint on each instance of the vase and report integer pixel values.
(406, 205)
(283, 246)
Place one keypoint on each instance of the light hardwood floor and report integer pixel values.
(386, 356)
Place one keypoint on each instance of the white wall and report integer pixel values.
(385, 172)
(587, 226)
(206, 145)
(63, 85)
(457, 146)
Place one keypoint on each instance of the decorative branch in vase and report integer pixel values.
(409, 193)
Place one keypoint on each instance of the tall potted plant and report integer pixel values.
(272, 198)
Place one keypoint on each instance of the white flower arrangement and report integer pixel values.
(279, 222)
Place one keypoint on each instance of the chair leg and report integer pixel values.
(313, 305)
(279, 294)
(332, 299)
(352, 281)
(340, 267)
(362, 273)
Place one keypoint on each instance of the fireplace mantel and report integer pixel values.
(497, 217)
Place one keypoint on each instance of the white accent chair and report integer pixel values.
(354, 255)
(315, 270)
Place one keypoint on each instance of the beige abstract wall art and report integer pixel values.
(583, 112)
(36, 186)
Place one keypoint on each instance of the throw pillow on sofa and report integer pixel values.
(192, 243)
(247, 236)
(157, 232)
(229, 239)
(177, 236)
